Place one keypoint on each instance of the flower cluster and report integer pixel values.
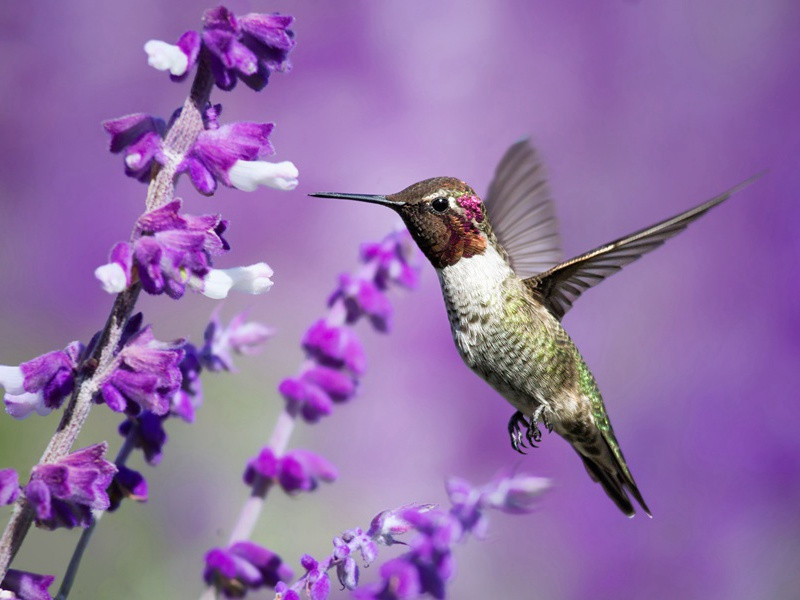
(248, 47)
(64, 493)
(336, 357)
(41, 384)
(244, 566)
(295, 471)
(428, 565)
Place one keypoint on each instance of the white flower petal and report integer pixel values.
(217, 284)
(22, 405)
(247, 175)
(164, 56)
(112, 277)
(12, 379)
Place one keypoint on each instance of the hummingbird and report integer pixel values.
(506, 290)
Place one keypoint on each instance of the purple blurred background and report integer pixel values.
(640, 109)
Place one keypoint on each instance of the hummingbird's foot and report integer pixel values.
(515, 424)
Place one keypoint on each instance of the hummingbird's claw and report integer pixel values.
(515, 423)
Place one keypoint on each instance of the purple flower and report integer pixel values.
(339, 385)
(399, 581)
(9, 486)
(298, 470)
(239, 337)
(41, 384)
(147, 376)
(174, 58)
(242, 567)
(335, 346)
(64, 493)
(169, 251)
(127, 483)
(363, 297)
(395, 260)
(147, 431)
(216, 151)
(140, 135)
(263, 466)
(284, 592)
(310, 400)
(316, 583)
(302, 470)
(26, 586)
(245, 48)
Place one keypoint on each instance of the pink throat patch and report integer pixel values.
(471, 206)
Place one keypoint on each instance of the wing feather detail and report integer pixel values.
(521, 211)
(563, 284)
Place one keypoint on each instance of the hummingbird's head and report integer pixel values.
(444, 216)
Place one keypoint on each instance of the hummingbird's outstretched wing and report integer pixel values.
(521, 212)
(560, 286)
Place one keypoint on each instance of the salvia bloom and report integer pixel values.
(129, 484)
(239, 337)
(146, 377)
(64, 493)
(26, 586)
(296, 471)
(336, 357)
(140, 136)
(244, 566)
(41, 384)
(248, 47)
(168, 250)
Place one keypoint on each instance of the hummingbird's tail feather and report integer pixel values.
(615, 478)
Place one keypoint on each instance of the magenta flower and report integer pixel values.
(26, 586)
(239, 337)
(127, 483)
(41, 384)
(64, 493)
(363, 297)
(242, 567)
(335, 346)
(395, 259)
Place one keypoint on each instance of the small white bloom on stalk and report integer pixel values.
(254, 279)
(247, 175)
(166, 57)
(112, 277)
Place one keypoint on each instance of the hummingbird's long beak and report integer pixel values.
(373, 199)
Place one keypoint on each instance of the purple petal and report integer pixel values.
(264, 465)
(339, 385)
(27, 586)
(126, 130)
(9, 486)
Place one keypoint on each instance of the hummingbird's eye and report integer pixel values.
(440, 204)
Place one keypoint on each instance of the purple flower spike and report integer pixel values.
(41, 384)
(148, 434)
(26, 586)
(335, 346)
(302, 470)
(9, 486)
(64, 493)
(247, 48)
(363, 297)
(239, 337)
(140, 135)
(127, 483)
(242, 567)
